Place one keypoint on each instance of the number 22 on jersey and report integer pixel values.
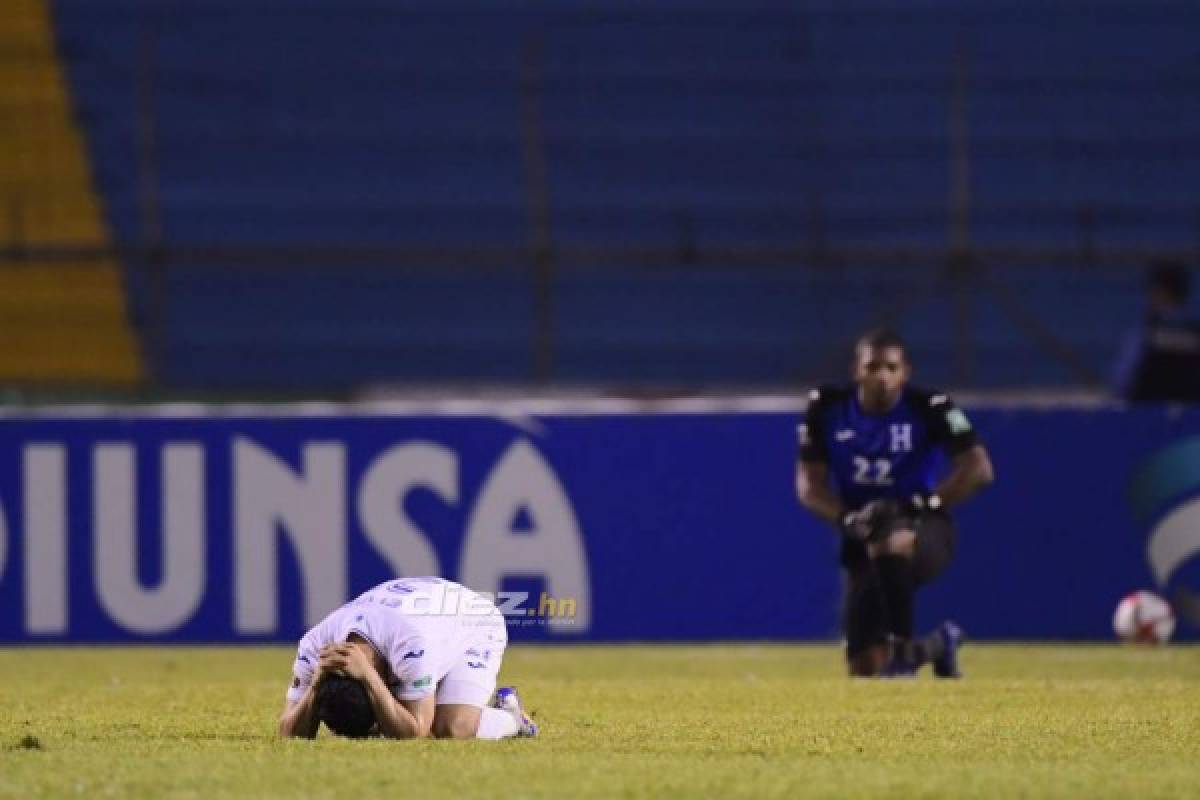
(872, 471)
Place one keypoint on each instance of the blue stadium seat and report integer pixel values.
(676, 124)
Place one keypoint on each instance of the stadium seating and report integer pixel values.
(66, 320)
(673, 125)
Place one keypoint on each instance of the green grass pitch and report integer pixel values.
(638, 721)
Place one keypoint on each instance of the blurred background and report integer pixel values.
(625, 208)
(300, 197)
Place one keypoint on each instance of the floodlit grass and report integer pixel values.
(644, 721)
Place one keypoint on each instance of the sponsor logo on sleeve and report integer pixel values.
(957, 421)
(422, 682)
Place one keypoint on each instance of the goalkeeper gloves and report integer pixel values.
(873, 521)
(878, 518)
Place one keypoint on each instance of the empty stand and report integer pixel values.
(678, 126)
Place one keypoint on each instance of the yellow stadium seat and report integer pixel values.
(61, 323)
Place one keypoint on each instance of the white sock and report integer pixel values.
(495, 723)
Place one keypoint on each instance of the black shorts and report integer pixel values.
(864, 617)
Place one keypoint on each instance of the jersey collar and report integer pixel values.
(858, 408)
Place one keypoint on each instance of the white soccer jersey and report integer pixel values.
(424, 628)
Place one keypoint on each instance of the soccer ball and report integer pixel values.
(1144, 617)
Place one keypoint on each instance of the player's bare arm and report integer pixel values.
(818, 496)
(970, 471)
(815, 493)
(299, 719)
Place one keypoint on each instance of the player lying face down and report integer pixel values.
(869, 464)
(410, 658)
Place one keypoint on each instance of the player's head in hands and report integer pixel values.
(344, 706)
(880, 368)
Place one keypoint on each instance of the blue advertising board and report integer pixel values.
(607, 527)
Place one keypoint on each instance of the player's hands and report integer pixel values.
(855, 525)
(345, 659)
(873, 521)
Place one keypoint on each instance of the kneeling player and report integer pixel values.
(878, 439)
(410, 658)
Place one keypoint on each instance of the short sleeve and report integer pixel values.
(412, 664)
(303, 670)
(949, 427)
(811, 431)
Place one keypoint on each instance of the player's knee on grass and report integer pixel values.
(901, 543)
(456, 722)
(868, 663)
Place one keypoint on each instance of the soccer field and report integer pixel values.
(637, 721)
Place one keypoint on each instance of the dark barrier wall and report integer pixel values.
(593, 526)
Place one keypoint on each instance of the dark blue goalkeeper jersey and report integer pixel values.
(896, 454)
